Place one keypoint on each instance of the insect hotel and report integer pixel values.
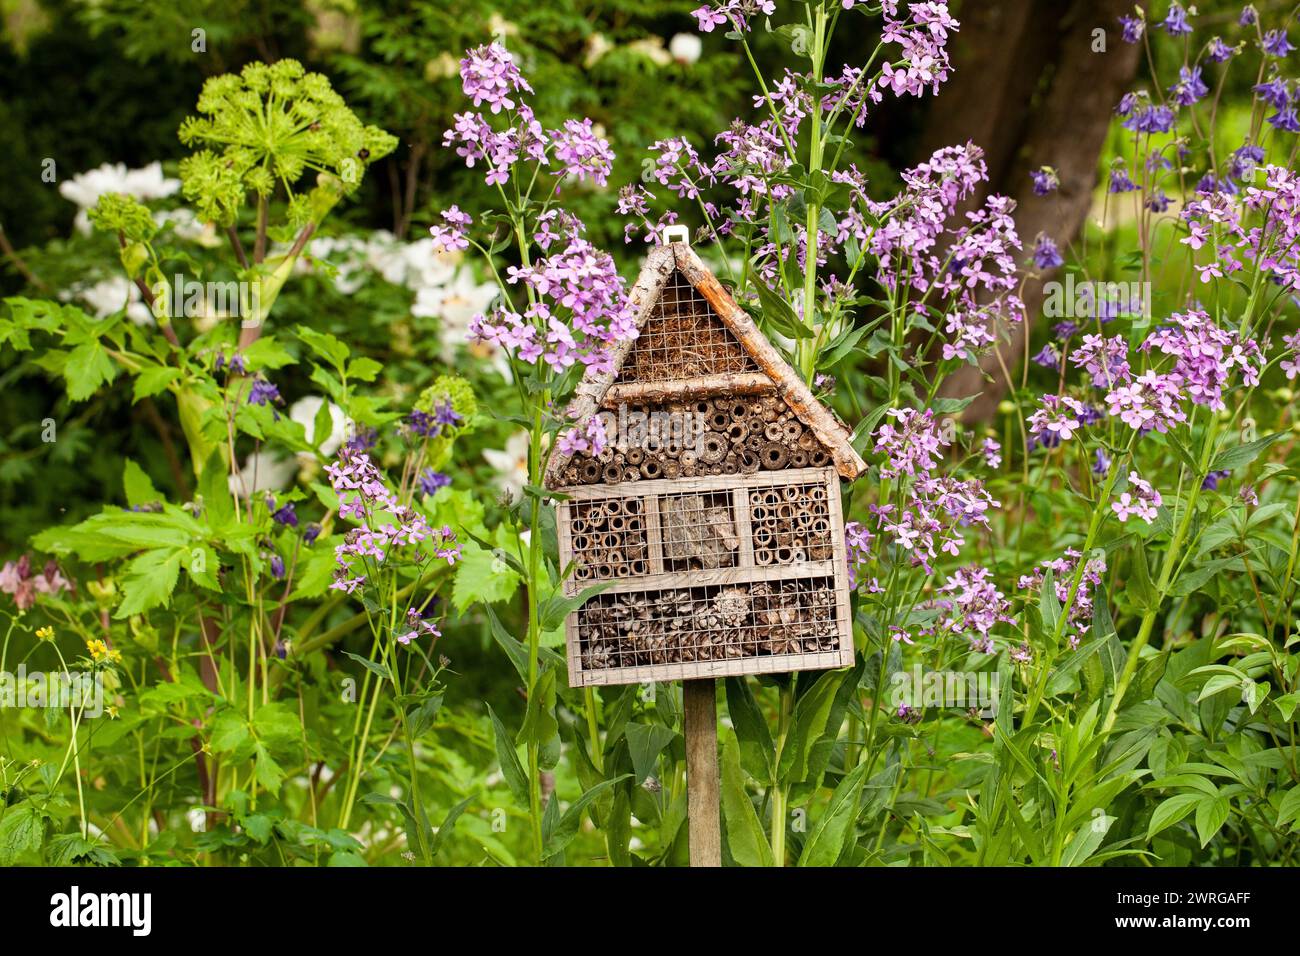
(713, 516)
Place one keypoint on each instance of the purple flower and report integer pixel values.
(1248, 495)
(263, 392)
(1244, 161)
(1101, 463)
(1175, 22)
(1046, 254)
(310, 534)
(1249, 16)
(1049, 357)
(1220, 52)
(285, 515)
(430, 481)
(1190, 88)
(417, 626)
(1285, 121)
(363, 438)
(992, 452)
(1045, 180)
(1158, 202)
(1131, 28)
(581, 153)
(1276, 43)
(1211, 481)
(489, 75)
(277, 567)
(1140, 500)
(1276, 93)
(1120, 182)
(451, 237)
(1057, 420)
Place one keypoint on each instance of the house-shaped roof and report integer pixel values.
(695, 342)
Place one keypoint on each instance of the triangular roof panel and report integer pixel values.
(674, 281)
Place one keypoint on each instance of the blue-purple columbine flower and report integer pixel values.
(1046, 254)
(1220, 52)
(286, 515)
(363, 439)
(1045, 180)
(1190, 88)
(1276, 93)
(1063, 330)
(1211, 482)
(1285, 121)
(1101, 463)
(1159, 202)
(1131, 28)
(1049, 357)
(1090, 415)
(1276, 43)
(1175, 22)
(310, 533)
(1249, 15)
(431, 424)
(277, 567)
(430, 481)
(264, 393)
(1120, 181)
(1244, 160)
(236, 364)
(1152, 119)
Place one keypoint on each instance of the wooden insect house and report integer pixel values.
(713, 514)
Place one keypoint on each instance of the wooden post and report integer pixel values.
(703, 792)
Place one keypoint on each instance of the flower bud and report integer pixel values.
(1006, 407)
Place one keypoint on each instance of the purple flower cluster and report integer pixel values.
(1138, 499)
(972, 606)
(387, 527)
(489, 76)
(451, 236)
(1063, 570)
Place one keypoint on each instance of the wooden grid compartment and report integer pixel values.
(683, 338)
(609, 539)
(706, 605)
(791, 524)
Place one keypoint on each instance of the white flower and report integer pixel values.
(263, 471)
(685, 48)
(109, 296)
(511, 464)
(652, 48)
(347, 254)
(188, 227)
(145, 183)
(304, 412)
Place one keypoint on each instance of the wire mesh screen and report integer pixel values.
(683, 338)
(609, 539)
(709, 623)
(699, 531)
(791, 524)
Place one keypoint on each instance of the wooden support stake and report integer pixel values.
(703, 792)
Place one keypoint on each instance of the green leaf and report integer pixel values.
(87, 367)
(482, 578)
(779, 314)
(364, 369)
(1288, 810)
(511, 769)
(745, 836)
(449, 824)
(22, 830)
(1235, 458)
(756, 750)
(561, 834)
(828, 837)
(811, 712)
(139, 489)
(645, 742)
(375, 667)
(324, 345)
(153, 380)
(149, 582)
(1211, 814)
(1171, 811)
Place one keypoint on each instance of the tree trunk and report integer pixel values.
(1029, 88)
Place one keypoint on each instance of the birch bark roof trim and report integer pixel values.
(660, 264)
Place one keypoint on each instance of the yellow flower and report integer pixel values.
(115, 655)
(112, 712)
(45, 633)
(98, 650)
